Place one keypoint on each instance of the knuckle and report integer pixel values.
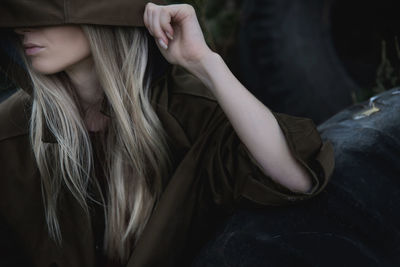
(158, 34)
(146, 20)
(189, 7)
(150, 6)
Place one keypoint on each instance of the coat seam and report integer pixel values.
(80, 20)
(196, 95)
(12, 137)
(17, 129)
(66, 11)
(177, 121)
(183, 129)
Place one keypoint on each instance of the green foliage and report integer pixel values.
(387, 76)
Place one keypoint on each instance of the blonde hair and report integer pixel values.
(136, 150)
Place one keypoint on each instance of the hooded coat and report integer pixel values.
(213, 171)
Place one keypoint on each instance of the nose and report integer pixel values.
(22, 30)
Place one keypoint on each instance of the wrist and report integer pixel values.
(204, 68)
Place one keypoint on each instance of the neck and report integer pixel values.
(85, 80)
(89, 91)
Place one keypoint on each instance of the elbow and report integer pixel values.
(303, 182)
(304, 186)
(296, 178)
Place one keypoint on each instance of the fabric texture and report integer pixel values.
(19, 13)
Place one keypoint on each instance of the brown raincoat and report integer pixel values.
(213, 171)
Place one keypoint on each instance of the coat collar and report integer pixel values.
(49, 137)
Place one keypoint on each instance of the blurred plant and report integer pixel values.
(387, 76)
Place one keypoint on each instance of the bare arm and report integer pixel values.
(254, 123)
(181, 41)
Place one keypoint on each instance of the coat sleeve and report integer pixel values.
(224, 161)
(234, 174)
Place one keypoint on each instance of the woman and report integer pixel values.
(134, 170)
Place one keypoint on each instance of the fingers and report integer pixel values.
(158, 32)
(165, 22)
(158, 21)
(148, 20)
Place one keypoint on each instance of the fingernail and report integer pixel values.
(169, 35)
(162, 43)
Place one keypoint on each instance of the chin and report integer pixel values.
(46, 69)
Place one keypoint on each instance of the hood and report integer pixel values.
(23, 13)
(19, 13)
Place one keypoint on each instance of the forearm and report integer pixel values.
(254, 123)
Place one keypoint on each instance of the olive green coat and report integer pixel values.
(213, 171)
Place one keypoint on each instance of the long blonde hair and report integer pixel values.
(136, 150)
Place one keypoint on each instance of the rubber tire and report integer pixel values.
(353, 222)
(287, 58)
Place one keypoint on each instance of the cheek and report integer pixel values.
(61, 55)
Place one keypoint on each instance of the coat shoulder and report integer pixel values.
(177, 81)
(186, 99)
(184, 82)
(14, 116)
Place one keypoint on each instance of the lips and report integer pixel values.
(32, 49)
(30, 45)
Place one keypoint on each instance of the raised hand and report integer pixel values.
(177, 33)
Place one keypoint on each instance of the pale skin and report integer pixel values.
(182, 44)
(66, 48)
